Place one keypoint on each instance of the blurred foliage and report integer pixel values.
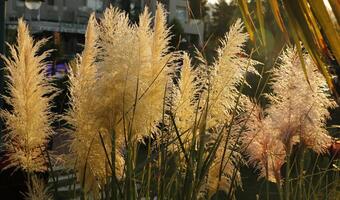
(314, 23)
(223, 16)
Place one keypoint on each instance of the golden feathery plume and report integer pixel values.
(160, 37)
(144, 34)
(153, 76)
(184, 108)
(86, 146)
(28, 123)
(116, 37)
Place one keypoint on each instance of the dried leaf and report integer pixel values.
(247, 19)
(260, 14)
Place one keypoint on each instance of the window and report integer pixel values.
(181, 14)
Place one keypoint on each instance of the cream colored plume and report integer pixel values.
(87, 153)
(184, 105)
(133, 73)
(28, 123)
(227, 73)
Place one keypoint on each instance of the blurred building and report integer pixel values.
(65, 20)
(62, 20)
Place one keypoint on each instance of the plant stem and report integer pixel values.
(287, 184)
(113, 163)
(279, 188)
(148, 171)
(302, 154)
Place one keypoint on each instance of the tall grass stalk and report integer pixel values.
(301, 172)
(287, 176)
(50, 166)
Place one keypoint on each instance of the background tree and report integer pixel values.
(314, 24)
(223, 16)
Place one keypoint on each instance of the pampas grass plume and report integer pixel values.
(28, 123)
(227, 73)
(229, 69)
(299, 110)
(90, 163)
(133, 80)
(297, 114)
(261, 144)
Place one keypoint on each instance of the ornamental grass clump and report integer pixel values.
(116, 95)
(134, 66)
(121, 90)
(149, 122)
(29, 121)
